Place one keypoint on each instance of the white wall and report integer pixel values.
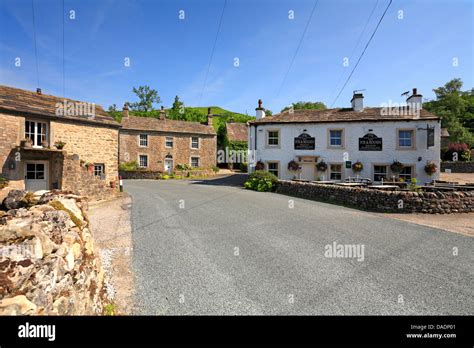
(353, 131)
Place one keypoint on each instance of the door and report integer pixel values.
(36, 176)
(307, 171)
(168, 165)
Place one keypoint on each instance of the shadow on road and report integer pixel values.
(236, 179)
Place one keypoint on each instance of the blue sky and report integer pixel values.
(172, 55)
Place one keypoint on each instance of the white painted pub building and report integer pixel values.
(373, 137)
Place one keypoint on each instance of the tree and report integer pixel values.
(268, 112)
(147, 98)
(456, 109)
(177, 104)
(113, 108)
(301, 105)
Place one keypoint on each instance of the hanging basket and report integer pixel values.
(293, 166)
(431, 168)
(396, 167)
(321, 166)
(357, 166)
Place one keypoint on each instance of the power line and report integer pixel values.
(362, 54)
(34, 36)
(64, 72)
(355, 46)
(298, 47)
(212, 52)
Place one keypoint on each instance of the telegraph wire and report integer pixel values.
(64, 71)
(212, 52)
(297, 47)
(362, 54)
(353, 50)
(34, 36)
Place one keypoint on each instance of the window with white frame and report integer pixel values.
(143, 140)
(380, 173)
(405, 138)
(406, 173)
(194, 162)
(273, 138)
(335, 171)
(195, 142)
(273, 168)
(99, 169)
(169, 142)
(335, 137)
(36, 131)
(143, 161)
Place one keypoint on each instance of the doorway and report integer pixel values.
(168, 165)
(36, 175)
(307, 171)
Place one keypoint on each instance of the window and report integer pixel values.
(194, 162)
(169, 142)
(380, 173)
(405, 138)
(143, 161)
(36, 132)
(336, 172)
(143, 140)
(273, 138)
(335, 138)
(194, 142)
(99, 170)
(273, 168)
(406, 174)
(35, 171)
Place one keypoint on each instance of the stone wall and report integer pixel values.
(95, 144)
(156, 150)
(458, 167)
(381, 201)
(79, 180)
(48, 264)
(153, 174)
(10, 127)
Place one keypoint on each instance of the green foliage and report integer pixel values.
(261, 181)
(215, 169)
(301, 105)
(110, 309)
(456, 109)
(128, 166)
(3, 182)
(147, 97)
(183, 166)
(243, 166)
(268, 112)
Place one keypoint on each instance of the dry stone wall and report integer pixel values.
(382, 201)
(48, 263)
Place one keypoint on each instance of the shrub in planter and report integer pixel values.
(293, 166)
(357, 167)
(430, 168)
(261, 181)
(321, 166)
(260, 166)
(396, 166)
(59, 144)
(128, 166)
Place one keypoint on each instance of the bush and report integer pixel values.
(183, 166)
(128, 166)
(462, 150)
(3, 182)
(215, 169)
(261, 181)
(243, 166)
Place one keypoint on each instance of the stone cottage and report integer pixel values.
(48, 142)
(160, 144)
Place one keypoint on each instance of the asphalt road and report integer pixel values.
(208, 248)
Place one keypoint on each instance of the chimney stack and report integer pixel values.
(125, 111)
(38, 91)
(260, 111)
(162, 113)
(209, 117)
(357, 102)
(415, 99)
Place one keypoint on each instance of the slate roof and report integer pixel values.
(341, 115)
(237, 131)
(166, 125)
(23, 102)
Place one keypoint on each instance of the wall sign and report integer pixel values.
(348, 164)
(305, 142)
(370, 142)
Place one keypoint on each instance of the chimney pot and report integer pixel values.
(209, 117)
(414, 91)
(415, 99)
(162, 113)
(260, 111)
(125, 111)
(357, 102)
(38, 91)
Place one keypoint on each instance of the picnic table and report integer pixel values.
(384, 187)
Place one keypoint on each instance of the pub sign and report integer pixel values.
(370, 142)
(305, 142)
